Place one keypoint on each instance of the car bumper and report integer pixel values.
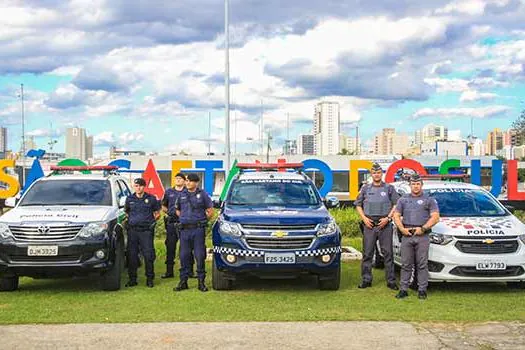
(74, 257)
(448, 264)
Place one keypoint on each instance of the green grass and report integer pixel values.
(80, 300)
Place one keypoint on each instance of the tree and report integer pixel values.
(519, 126)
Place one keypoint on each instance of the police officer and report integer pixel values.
(171, 222)
(194, 208)
(142, 210)
(415, 215)
(375, 204)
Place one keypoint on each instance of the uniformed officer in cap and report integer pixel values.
(142, 210)
(375, 204)
(415, 215)
(171, 222)
(194, 208)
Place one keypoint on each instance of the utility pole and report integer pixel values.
(23, 137)
(268, 148)
(209, 133)
(227, 83)
(261, 131)
(357, 150)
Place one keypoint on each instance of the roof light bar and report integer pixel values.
(84, 168)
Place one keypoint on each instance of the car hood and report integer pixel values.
(277, 215)
(72, 214)
(480, 226)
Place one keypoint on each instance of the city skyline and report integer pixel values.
(146, 79)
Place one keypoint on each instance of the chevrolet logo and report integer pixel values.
(279, 234)
(488, 241)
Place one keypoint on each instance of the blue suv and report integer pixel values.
(274, 224)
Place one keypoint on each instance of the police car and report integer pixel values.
(66, 224)
(274, 224)
(477, 239)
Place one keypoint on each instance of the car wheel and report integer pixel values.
(330, 283)
(111, 279)
(9, 284)
(219, 280)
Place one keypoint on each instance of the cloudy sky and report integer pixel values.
(147, 74)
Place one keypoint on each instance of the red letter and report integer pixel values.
(153, 183)
(512, 182)
(404, 163)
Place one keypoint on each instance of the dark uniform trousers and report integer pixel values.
(172, 237)
(370, 236)
(141, 238)
(414, 249)
(192, 239)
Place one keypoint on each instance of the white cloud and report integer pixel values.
(473, 95)
(448, 85)
(448, 113)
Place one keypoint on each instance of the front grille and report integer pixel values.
(286, 243)
(45, 234)
(470, 271)
(498, 247)
(269, 227)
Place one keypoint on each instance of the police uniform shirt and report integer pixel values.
(140, 210)
(170, 197)
(377, 201)
(193, 205)
(416, 210)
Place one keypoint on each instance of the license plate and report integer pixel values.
(42, 250)
(279, 258)
(491, 265)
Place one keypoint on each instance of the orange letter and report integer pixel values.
(353, 175)
(12, 184)
(176, 166)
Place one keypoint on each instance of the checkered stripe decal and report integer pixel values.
(470, 223)
(318, 252)
(258, 253)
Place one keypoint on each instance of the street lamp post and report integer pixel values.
(23, 137)
(227, 83)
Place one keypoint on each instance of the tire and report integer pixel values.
(219, 280)
(377, 261)
(332, 283)
(9, 284)
(111, 278)
(516, 285)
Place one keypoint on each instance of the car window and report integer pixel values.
(273, 192)
(68, 192)
(125, 188)
(466, 202)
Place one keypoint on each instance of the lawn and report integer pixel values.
(80, 300)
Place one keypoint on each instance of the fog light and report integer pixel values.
(100, 254)
(325, 258)
(231, 258)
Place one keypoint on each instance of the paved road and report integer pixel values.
(267, 335)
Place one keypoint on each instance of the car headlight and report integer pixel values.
(230, 228)
(438, 238)
(93, 230)
(327, 229)
(5, 232)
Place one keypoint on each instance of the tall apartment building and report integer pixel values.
(388, 142)
(512, 138)
(306, 144)
(3, 140)
(494, 142)
(78, 145)
(431, 133)
(326, 128)
(351, 144)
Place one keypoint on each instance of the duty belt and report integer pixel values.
(193, 225)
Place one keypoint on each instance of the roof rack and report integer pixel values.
(107, 169)
(270, 166)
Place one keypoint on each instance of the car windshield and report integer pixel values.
(273, 192)
(68, 192)
(466, 202)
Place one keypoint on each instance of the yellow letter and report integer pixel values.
(11, 182)
(176, 166)
(353, 175)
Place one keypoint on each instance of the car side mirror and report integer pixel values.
(509, 208)
(10, 202)
(217, 202)
(331, 202)
(122, 202)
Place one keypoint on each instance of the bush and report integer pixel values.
(348, 220)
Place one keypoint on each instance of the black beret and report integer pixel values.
(181, 175)
(415, 178)
(140, 181)
(193, 177)
(376, 167)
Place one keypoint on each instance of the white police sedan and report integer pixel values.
(477, 238)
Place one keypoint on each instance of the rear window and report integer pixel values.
(69, 192)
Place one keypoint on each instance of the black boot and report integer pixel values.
(183, 284)
(131, 283)
(149, 283)
(202, 286)
(169, 272)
